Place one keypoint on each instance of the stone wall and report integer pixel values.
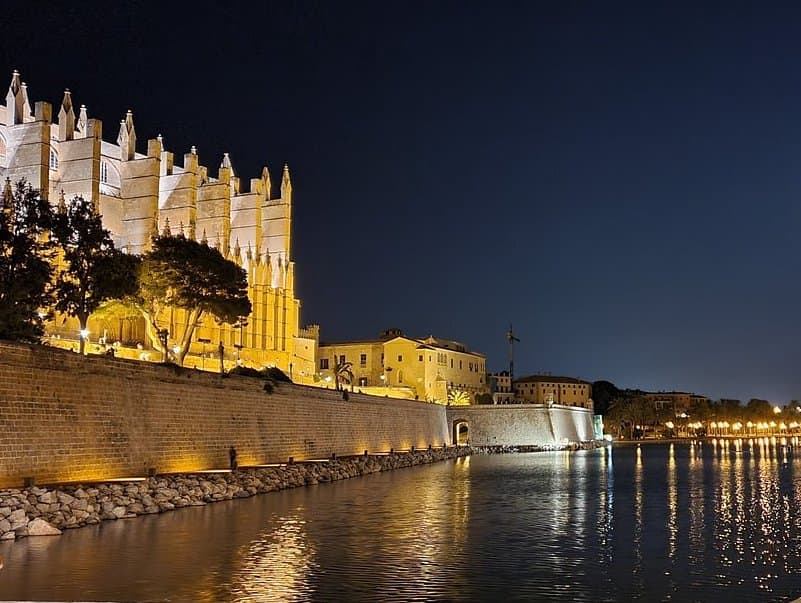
(523, 424)
(70, 418)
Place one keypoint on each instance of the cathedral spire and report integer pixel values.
(66, 118)
(203, 239)
(167, 231)
(127, 138)
(26, 104)
(83, 121)
(286, 186)
(265, 178)
(14, 101)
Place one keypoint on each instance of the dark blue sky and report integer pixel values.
(620, 181)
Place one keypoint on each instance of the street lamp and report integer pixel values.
(84, 333)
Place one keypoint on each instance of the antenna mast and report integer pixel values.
(510, 336)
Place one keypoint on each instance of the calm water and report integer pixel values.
(660, 522)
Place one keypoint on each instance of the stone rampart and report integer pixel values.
(68, 418)
(523, 424)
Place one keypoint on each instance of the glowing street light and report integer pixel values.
(777, 410)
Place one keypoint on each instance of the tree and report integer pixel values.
(603, 393)
(25, 268)
(183, 273)
(628, 411)
(93, 270)
(458, 397)
(343, 373)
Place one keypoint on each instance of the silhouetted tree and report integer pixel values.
(603, 392)
(25, 267)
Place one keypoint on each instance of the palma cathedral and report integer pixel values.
(144, 191)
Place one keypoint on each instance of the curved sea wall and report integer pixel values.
(523, 424)
(70, 418)
(38, 511)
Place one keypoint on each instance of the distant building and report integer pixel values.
(550, 389)
(431, 369)
(501, 387)
(678, 402)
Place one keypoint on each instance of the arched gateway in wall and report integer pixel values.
(460, 431)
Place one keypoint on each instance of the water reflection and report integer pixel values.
(276, 566)
(714, 521)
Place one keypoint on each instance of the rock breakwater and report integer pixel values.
(39, 511)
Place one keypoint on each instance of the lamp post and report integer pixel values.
(221, 350)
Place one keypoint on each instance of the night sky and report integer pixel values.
(621, 182)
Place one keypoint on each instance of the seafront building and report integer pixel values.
(141, 190)
(551, 389)
(430, 369)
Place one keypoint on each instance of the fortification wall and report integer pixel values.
(70, 418)
(523, 424)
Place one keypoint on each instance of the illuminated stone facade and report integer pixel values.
(141, 194)
(549, 389)
(430, 369)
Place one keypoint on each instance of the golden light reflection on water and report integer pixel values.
(638, 511)
(673, 504)
(697, 548)
(276, 564)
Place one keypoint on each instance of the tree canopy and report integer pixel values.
(93, 270)
(183, 273)
(25, 267)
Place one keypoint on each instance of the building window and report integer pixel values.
(342, 359)
(363, 359)
(460, 365)
(53, 160)
(400, 357)
(103, 172)
(382, 359)
(323, 364)
(420, 358)
(451, 362)
(400, 376)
